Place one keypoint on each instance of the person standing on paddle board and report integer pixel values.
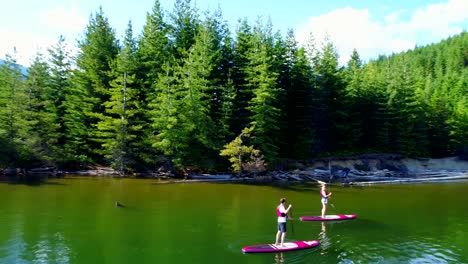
(325, 196)
(282, 213)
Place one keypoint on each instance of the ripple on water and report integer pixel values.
(13, 251)
(417, 250)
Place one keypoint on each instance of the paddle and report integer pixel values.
(292, 224)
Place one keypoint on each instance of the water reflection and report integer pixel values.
(11, 253)
(51, 250)
(279, 258)
(15, 247)
(325, 241)
(45, 250)
(295, 257)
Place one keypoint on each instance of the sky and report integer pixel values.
(372, 27)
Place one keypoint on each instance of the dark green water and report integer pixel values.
(75, 221)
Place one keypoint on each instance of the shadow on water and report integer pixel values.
(287, 186)
(29, 181)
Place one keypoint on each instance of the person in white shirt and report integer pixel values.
(282, 213)
(325, 196)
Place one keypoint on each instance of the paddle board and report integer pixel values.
(289, 246)
(328, 217)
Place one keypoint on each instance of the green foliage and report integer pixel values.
(90, 89)
(44, 134)
(6, 151)
(243, 94)
(238, 152)
(182, 89)
(263, 107)
(223, 90)
(183, 28)
(118, 126)
(14, 124)
(55, 94)
(181, 108)
(153, 49)
(328, 107)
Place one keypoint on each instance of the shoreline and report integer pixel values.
(362, 170)
(361, 181)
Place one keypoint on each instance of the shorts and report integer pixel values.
(282, 227)
(324, 200)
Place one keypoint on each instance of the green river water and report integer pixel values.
(75, 220)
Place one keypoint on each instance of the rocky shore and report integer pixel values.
(360, 170)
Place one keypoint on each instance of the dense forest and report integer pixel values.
(188, 92)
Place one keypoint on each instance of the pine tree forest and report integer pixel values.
(185, 88)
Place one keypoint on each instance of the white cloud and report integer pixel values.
(350, 28)
(67, 19)
(393, 17)
(43, 32)
(438, 19)
(26, 46)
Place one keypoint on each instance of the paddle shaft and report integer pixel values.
(292, 224)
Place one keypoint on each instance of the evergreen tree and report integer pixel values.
(183, 127)
(59, 84)
(183, 27)
(42, 116)
(437, 118)
(91, 88)
(13, 111)
(296, 79)
(354, 96)
(243, 94)
(187, 88)
(327, 103)
(409, 126)
(153, 49)
(285, 53)
(302, 96)
(372, 107)
(118, 127)
(164, 110)
(223, 94)
(263, 106)
(459, 127)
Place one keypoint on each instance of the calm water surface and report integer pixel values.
(75, 220)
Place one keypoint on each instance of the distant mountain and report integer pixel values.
(24, 70)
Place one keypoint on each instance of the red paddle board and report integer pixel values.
(289, 246)
(328, 217)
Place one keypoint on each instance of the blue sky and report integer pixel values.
(373, 27)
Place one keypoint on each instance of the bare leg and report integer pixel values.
(324, 210)
(278, 234)
(283, 236)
